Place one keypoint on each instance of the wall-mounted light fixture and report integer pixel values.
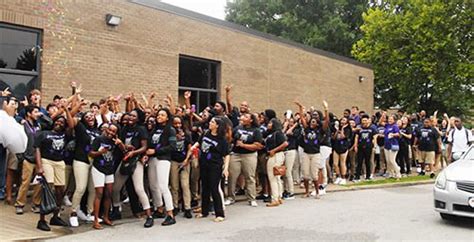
(112, 20)
(361, 78)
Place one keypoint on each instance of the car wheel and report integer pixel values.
(445, 216)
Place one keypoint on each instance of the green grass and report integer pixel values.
(390, 180)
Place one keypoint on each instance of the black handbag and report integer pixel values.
(48, 199)
(128, 167)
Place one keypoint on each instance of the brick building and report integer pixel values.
(162, 48)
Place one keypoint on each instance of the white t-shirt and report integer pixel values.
(459, 140)
(12, 134)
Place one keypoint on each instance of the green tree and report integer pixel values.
(331, 25)
(422, 54)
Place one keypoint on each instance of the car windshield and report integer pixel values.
(469, 155)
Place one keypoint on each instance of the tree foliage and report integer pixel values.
(422, 54)
(331, 25)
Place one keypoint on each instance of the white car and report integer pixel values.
(454, 188)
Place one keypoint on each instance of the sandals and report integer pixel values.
(97, 226)
(200, 215)
(108, 222)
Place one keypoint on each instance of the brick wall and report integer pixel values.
(142, 55)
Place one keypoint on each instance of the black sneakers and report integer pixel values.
(168, 221)
(194, 203)
(57, 221)
(158, 214)
(175, 211)
(239, 192)
(42, 225)
(432, 175)
(149, 222)
(187, 213)
(115, 214)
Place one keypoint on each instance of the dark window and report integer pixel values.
(201, 77)
(19, 59)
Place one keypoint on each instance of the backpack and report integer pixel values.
(467, 135)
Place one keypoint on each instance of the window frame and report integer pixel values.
(215, 91)
(39, 42)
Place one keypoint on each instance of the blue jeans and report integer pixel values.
(3, 169)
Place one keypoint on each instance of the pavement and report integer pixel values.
(397, 213)
(23, 227)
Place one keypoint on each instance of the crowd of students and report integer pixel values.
(170, 158)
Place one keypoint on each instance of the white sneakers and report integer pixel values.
(66, 201)
(337, 181)
(343, 182)
(253, 203)
(81, 215)
(73, 221)
(229, 202)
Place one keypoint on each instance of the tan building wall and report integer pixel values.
(142, 55)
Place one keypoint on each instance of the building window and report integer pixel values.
(201, 77)
(19, 59)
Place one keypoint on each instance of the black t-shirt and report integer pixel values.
(312, 139)
(84, 138)
(274, 140)
(213, 149)
(381, 135)
(327, 134)
(366, 135)
(234, 116)
(134, 135)
(247, 136)
(51, 144)
(405, 141)
(292, 139)
(415, 126)
(182, 143)
(106, 162)
(163, 140)
(343, 143)
(427, 139)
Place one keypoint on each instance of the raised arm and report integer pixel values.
(302, 114)
(187, 99)
(228, 97)
(326, 115)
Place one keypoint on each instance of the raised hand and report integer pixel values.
(187, 94)
(325, 105)
(228, 88)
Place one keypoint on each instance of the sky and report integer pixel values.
(213, 8)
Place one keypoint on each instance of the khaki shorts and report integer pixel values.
(427, 157)
(311, 165)
(12, 161)
(54, 172)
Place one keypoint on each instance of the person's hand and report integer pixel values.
(129, 147)
(239, 143)
(25, 101)
(6, 92)
(225, 172)
(144, 159)
(79, 89)
(187, 94)
(128, 155)
(445, 115)
(150, 152)
(185, 163)
(103, 150)
(355, 149)
(152, 95)
(325, 105)
(63, 103)
(103, 109)
(117, 141)
(271, 153)
(73, 84)
(39, 170)
(228, 88)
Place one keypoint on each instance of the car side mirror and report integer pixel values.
(457, 156)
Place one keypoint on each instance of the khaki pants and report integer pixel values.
(28, 172)
(392, 167)
(339, 161)
(195, 178)
(179, 178)
(383, 162)
(247, 165)
(290, 159)
(137, 178)
(275, 181)
(83, 181)
(311, 166)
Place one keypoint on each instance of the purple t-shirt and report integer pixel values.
(390, 128)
